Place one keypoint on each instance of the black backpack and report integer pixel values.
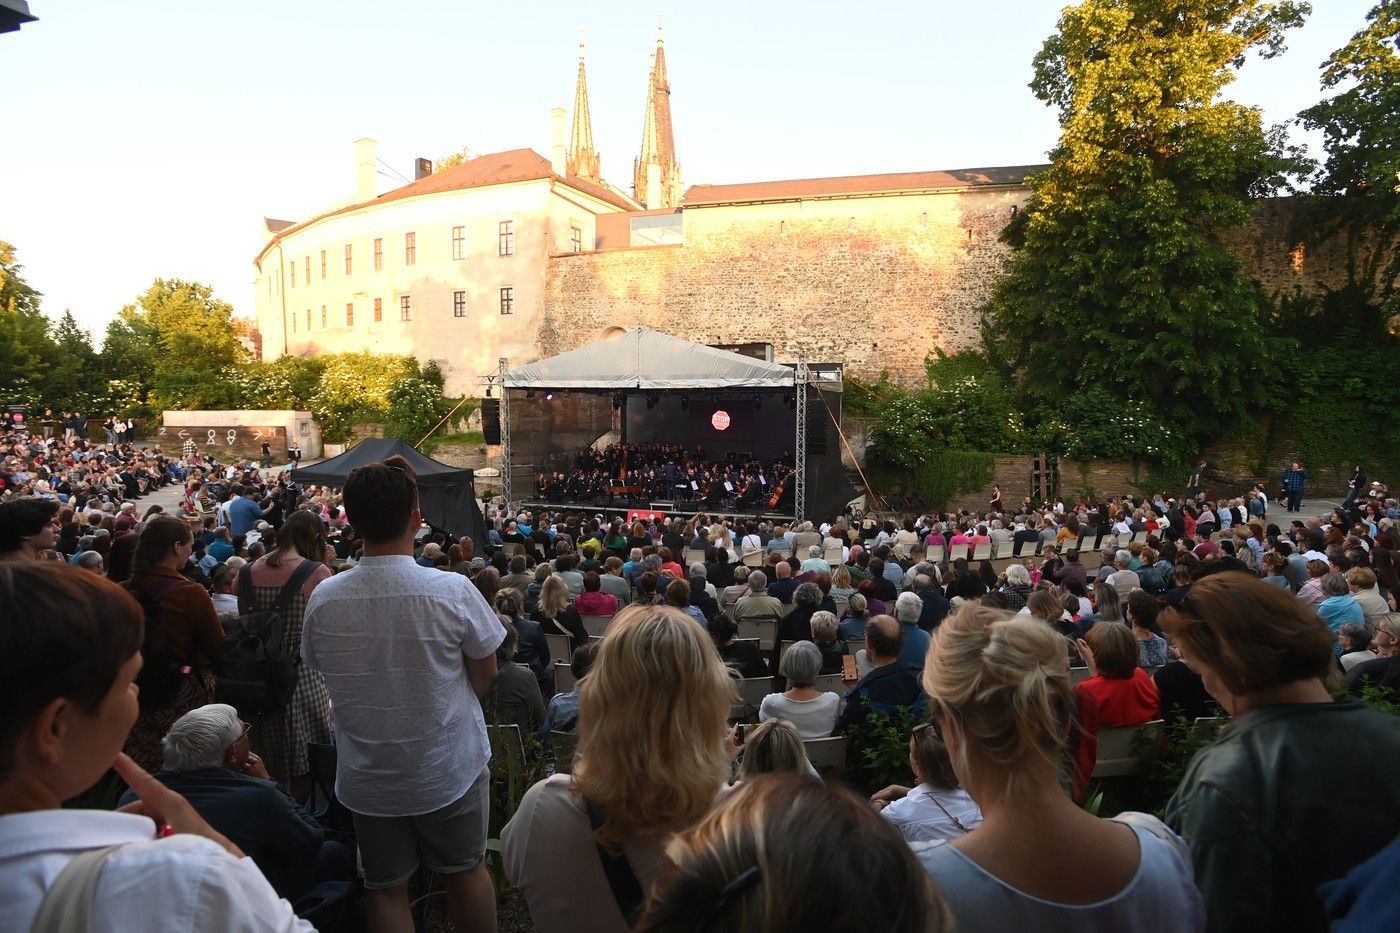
(256, 674)
(163, 673)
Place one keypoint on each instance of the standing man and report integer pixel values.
(1293, 479)
(294, 454)
(1356, 486)
(407, 652)
(1197, 480)
(266, 455)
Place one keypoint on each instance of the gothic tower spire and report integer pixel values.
(656, 175)
(583, 160)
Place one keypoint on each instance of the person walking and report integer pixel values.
(1293, 479)
(406, 653)
(266, 455)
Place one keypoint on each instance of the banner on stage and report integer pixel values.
(645, 515)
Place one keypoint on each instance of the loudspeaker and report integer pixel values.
(491, 420)
(817, 422)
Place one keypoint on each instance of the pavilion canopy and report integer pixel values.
(646, 359)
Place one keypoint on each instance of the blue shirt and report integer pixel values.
(916, 642)
(243, 514)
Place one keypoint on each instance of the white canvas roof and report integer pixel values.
(645, 359)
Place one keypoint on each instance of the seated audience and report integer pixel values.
(743, 657)
(1000, 691)
(734, 870)
(562, 711)
(891, 685)
(812, 712)
(938, 807)
(1260, 806)
(774, 746)
(554, 616)
(852, 624)
(1355, 640)
(1142, 616)
(1384, 671)
(209, 762)
(514, 697)
(825, 637)
(593, 601)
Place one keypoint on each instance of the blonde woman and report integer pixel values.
(776, 855)
(1001, 699)
(774, 746)
(653, 752)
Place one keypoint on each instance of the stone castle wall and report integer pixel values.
(875, 283)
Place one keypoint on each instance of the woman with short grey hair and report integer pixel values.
(812, 712)
(824, 636)
(1355, 639)
(90, 560)
(797, 624)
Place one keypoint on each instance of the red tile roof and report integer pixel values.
(798, 188)
(496, 168)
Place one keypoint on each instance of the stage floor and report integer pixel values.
(665, 507)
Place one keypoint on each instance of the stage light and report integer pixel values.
(757, 401)
(549, 396)
(685, 402)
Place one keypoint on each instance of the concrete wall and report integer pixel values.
(241, 433)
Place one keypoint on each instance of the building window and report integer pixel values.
(576, 239)
(508, 300)
(403, 308)
(459, 242)
(323, 264)
(378, 253)
(347, 258)
(294, 322)
(410, 249)
(323, 315)
(378, 307)
(308, 319)
(308, 270)
(350, 314)
(459, 304)
(294, 274)
(505, 238)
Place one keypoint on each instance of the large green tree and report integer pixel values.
(26, 349)
(177, 342)
(73, 380)
(1360, 178)
(1119, 280)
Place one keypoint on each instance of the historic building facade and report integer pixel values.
(521, 256)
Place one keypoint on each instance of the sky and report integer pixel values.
(149, 139)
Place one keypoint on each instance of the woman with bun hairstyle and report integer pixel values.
(1001, 698)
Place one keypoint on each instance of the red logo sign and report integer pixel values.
(720, 420)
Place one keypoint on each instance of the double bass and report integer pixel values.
(778, 491)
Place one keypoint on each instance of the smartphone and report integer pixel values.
(743, 732)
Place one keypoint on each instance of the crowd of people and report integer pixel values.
(679, 807)
(638, 474)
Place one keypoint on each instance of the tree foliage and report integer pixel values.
(1119, 281)
(1360, 178)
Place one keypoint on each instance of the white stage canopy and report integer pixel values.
(645, 359)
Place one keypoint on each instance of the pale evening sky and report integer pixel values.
(149, 139)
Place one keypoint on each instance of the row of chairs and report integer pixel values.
(1117, 754)
(827, 755)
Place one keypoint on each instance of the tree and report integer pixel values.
(69, 382)
(26, 350)
(1361, 135)
(452, 159)
(176, 338)
(1118, 278)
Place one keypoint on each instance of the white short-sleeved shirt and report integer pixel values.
(391, 639)
(920, 817)
(154, 885)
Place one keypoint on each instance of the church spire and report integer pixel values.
(656, 174)
(583, 160)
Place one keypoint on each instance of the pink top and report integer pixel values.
(263, 575)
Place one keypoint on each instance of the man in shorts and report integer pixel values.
(407, 652)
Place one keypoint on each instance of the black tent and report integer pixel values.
(447, 496)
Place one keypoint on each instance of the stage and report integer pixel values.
(752, 421)
(658, 508)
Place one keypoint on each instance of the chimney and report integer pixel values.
(422, 168)
(558, 159)
(366, 169)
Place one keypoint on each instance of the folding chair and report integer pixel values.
(830, 683)
(595, 625)
(563, 744)
(765, 630)
(559, 649)
(563, 677)
(828, 756)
